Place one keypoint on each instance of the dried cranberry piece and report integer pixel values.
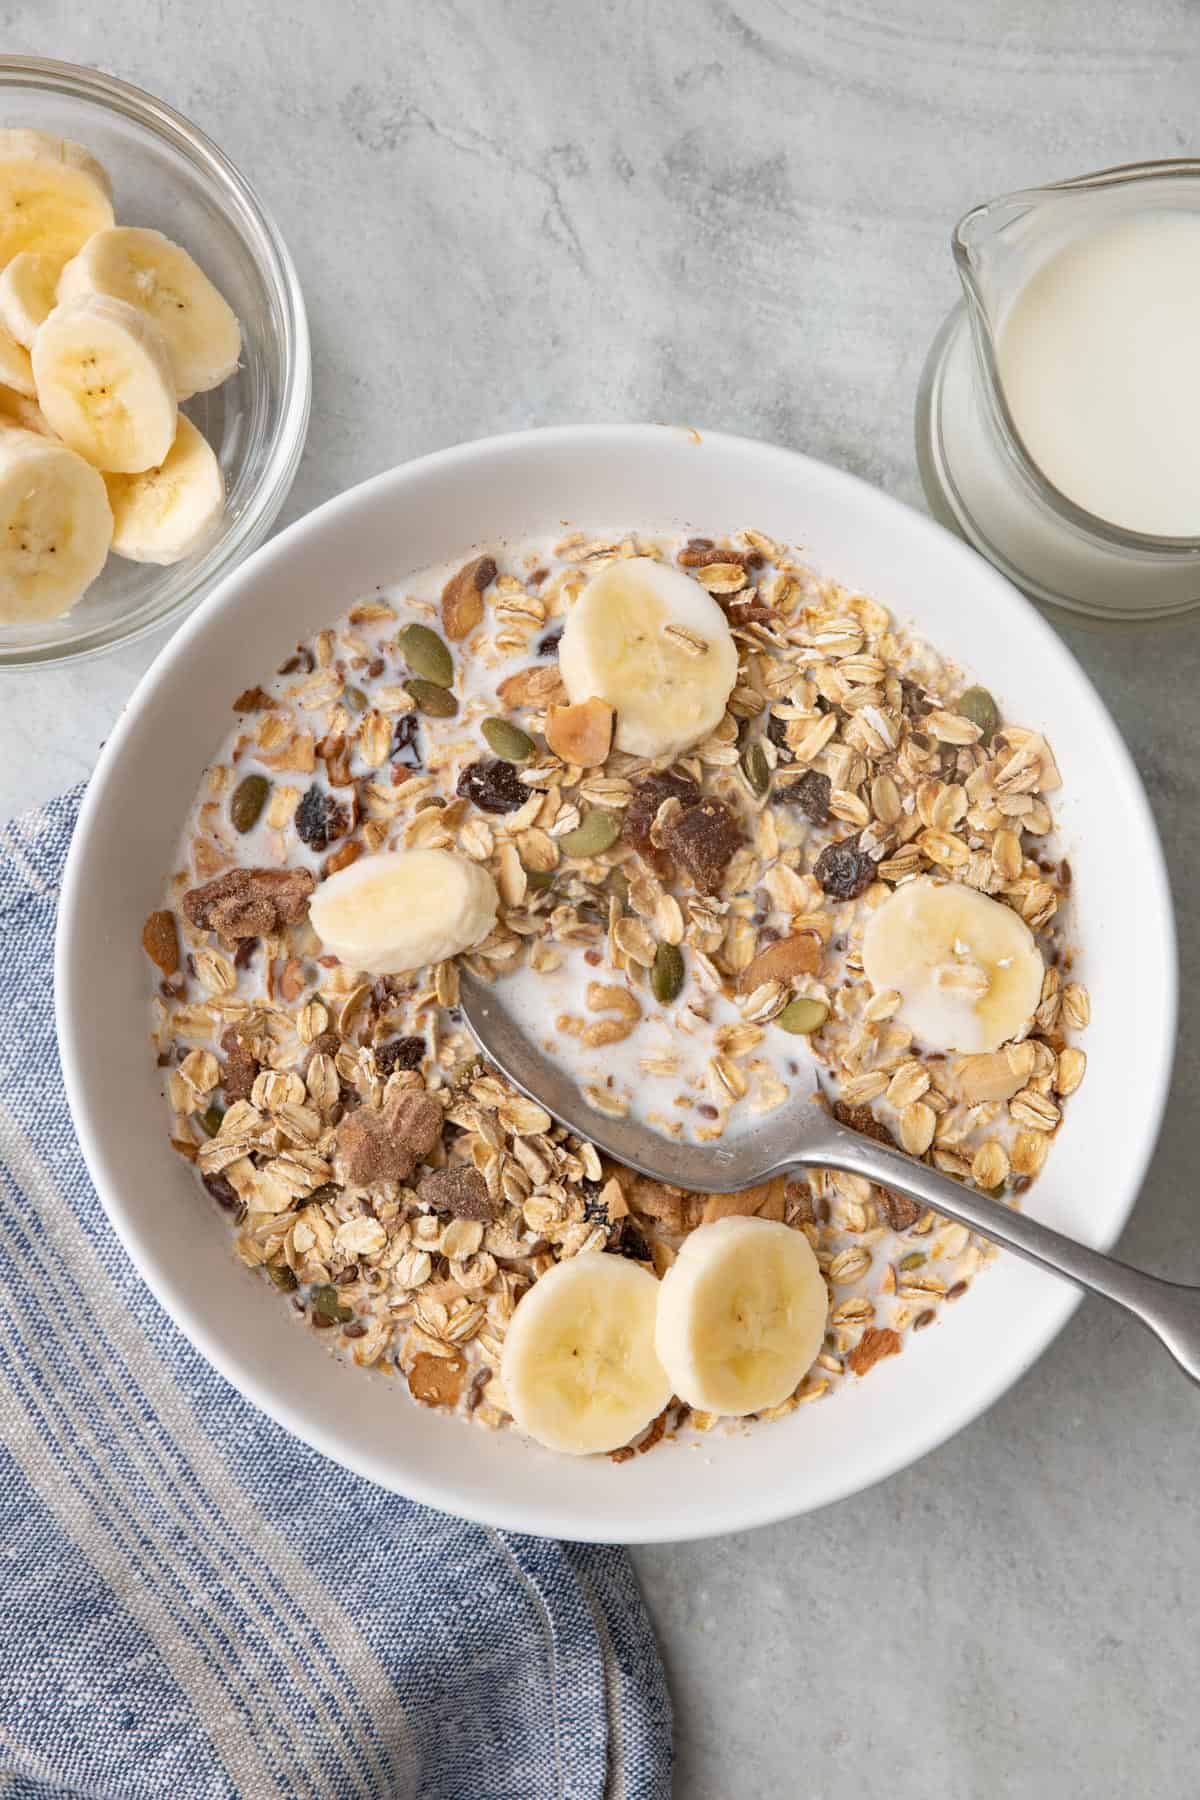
(400, 1053)
(843, 870)
(320, 819)
(548, 645)
(811, 794)
(494, 787)
(406, 743)
(627, 1240)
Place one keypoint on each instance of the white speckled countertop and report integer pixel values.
(736, 213)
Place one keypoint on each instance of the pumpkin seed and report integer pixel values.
(801, 1017)
(426, 655)
(978, 706)
(539, 878)
(618, 884)
(508, 741)
(913, 1260)
(756, 769)
(249, 798)
(211, 1119)
(282, 1276)
(326, 1305)
(598, 832)
(431, 697)
(666, 973)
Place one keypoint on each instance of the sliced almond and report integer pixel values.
(582, 733)
(799, 954)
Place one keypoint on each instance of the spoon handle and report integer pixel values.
(1170, 1311)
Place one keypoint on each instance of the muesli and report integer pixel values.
(723, 829)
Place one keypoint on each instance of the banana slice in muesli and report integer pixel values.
(741, 1315)
(579, 1367)
(398, 911)
(653, 643)
(966, 967)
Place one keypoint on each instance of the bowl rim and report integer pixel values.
(254, 222)
(489, 1509)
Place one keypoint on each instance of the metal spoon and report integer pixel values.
(808, 1137)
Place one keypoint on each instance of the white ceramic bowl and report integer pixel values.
(603, 478)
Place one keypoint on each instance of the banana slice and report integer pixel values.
(161, 515)
(741, 1315)
(967, 968)
(55, 527)
(148, 271)
(16, 369)
(26, 414)
(655, 645)
(104, 383)
(390, 913)
(53, 195)
(28, 289)
(578, 1365)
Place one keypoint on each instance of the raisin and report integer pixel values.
(642, 810)
(320, 819)
(406, 741)
(777, 732)
(914, 701)
(627, 1240)
(843, 870)
(548, 645)
(222, 1191)
(400, 1053)
(811, 794)
(702, 840)
(494, 787)
(243, 956)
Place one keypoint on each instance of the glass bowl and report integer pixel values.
(167, 174)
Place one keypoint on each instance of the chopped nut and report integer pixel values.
(581, 734)
(437, 1380)
(876, 1343)
(703, 839)
(241, 1068)
(462, 597)
(799, 954)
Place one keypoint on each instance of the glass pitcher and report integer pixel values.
(978, 474)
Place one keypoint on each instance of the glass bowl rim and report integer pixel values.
(254, 223)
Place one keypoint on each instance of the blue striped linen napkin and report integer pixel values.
(197, 1605)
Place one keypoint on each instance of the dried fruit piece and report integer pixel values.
(666, 973)
(843, 870)
(507, 740)
(426, 655)
(320, 819)
(977, 705)
(254, 699)
(436, 1380)
(400, 1053)
(642, 811)
(493, 787)
(598, 832)
(387, 1146)
(548, 645)
(240, 1069)
(406, 741)
(777, 732)
(799, 954)
(462, 597)
(811, 794)
(802, 1016)
(431, 698)
(160, 941)
(249, 798)
(899, 1210)
(862, 1120)
(250, 902)
(703, 840)
(582, 733)
(457, 1189)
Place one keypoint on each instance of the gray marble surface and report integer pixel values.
(736, 214)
